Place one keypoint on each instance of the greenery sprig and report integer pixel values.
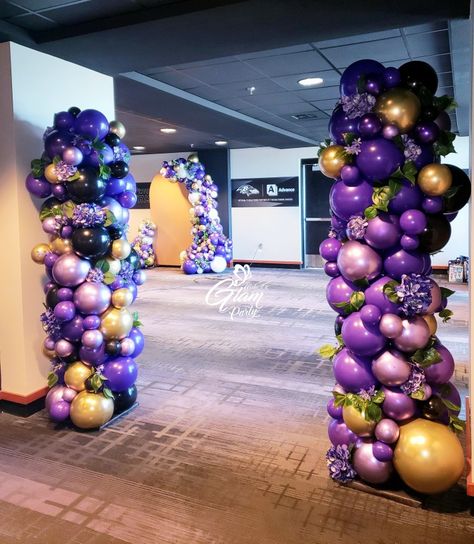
(369, 407)
(136, 320)
(427, 356)
(444, 144)
(97, 383)
(355, 303)
(390, 291)
(381, 197)
(328, 351)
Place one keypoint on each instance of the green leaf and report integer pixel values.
(445, 292)
(97, 144)
(357, 299)
(456, 424)
(56, 159)
(445, 315)
(444, 103)
(450, 406)
(52, 379)
(349, 137)
(136, 320)
(102, 265)
(371, 212)
(75, 176)
(109, 278)
(444, 145)
(339, 398)
(409, 171)
(419, 394)
(107, 393)
(373, 412)
(426, 357)
(363, 282)
(327, 351)
(323, 145)
(104, 171)
(68, 209)
(340, 341)
(37, 167)
(399, 143)
(379, 397)
(110, 218)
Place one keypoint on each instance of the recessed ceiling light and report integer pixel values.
(168, 130)
(139, 147)
(311, 81)
(220, 142)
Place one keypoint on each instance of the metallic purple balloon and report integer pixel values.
(432, 204)
(425, 157)
(443, 121)
(387, 431)
(340, 124)
(449, 392)
(63, 348)
(357, 261)
(351, 76)
(131, 184)
(441, 372)
(397, 405)
(436, 299)
(333, 410)
(115, 186)
(390, 131)
(127, 347)
(391, 325)
(121, 373)
(391, 368)
(70, 270)
(399, 262)
(370, 314)
(139, 277)
(373, 84)
(350, 175)
(368, 467)
(65, 293)
(339, 290)
(360, 338)
(49, 343)
(413, 222)
(331, 269)
(339, 433)
(92, 338)
(409, 242)
(374, 295)
(346, 201)
(93, 356)
(369, 125)
(50, 259)
(415, 335)
(137, 336)
(92, 298)
(55, 394)
(353, 372)
(56, 142)
(426, 132)
(408, 197)
(127, 199)
(91, 322)
(382, 452)
(378, 159)
(91, 124)
(64, 311)
(63, 120)
(391, 77)
(49, 225)
(329, 248)
(72, 155)
(38, 187)
(112, 205)
(72, 330)
(383, 231)
(59, 411)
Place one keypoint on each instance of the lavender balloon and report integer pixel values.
(391, 368)
(369, 467)
(415, 335)
(387, 431)
(92, 298)
(339, 433)
(397, 405)
(357, 261)
(70, 270)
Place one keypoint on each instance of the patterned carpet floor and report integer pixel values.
(227, 445)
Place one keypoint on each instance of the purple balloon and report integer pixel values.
(329, 248)
(361, 339)
(382, 452)
(70, 270)
(139, 277)
(369, 126)
(391, 325)
(189, 267)
(353, 372)
(55, 394)
(399, 262)
(383, 231)
(56, 142)
(391, 77)
(59, 192)
(390, 131)
(331, 269)
(121, 373)
(49, 225)
(397, 405)
(425, 157)
(413, 221)
(449, 392)
(374, 295)
(92, 298)
(351, 76)
(357, 261)
(91, 322)
(387, 431)
(391, 368)
(370, 314)
(118, 283)
(368, 467)
(64, 311)
(340, 124)
(72, 155)
(91, 124)
(63, 348)
(350, 175)
(333, 410)
(373, 84)
(65, 293)
(59, 411)
(130, 183)
(409, 242)
(138, 339)
(339, 433)
(93, 356)
(347, 201)
(92, 339)
(63, 120)
(378, 159)
(339, 290)
(415, 335)
(38, 187)
(441, 372)
(50, 259)
(443, 121)
(426, 132)
(72, 330)
(408, 197)
(115, 186)
(127, 199)
(432, 204)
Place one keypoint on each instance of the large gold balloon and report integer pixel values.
(356, 421)
(50, 174)
(434, 179)
(116, 323)
(61, 245)
(400, 107)
(39, 252)
(193, 157)
(76, 375)
(91, 410)
(122, 297)
(120, 249)
(428, 456)
(117, 128)
(432, 323)
(331, 161)
(114, 265)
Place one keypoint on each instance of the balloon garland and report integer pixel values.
(211, 250)
(143, 244)
(92, 337)
(394, 408)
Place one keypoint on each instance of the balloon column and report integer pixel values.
(143, 244)
(211, 250)
(92, 272)
(394, 408)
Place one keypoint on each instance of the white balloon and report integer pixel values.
(191, 212)
(213, 214)
(182, 256)
(218, 264)
(194, 198)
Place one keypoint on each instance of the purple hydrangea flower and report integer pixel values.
(95, 275)
(356, 227)
(338, 459)
(120, 154)
(414, 293)
(415, 381)
(357, 104)
(367, 394)
(88, 215)
(50, 324)
(126, 271)
(412, 150)
(354, 147)
(64, 171)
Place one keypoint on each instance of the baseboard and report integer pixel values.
(22, 405)
(270, 264)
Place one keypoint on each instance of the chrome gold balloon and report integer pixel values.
(399, 107)
(76, 375)
(120, 249)
(39, 252)
(61, 245)
(122, 298)
(331, 161)
(428, 456)
(50, 174)
(117, 128)
(434, 179)
(356, 421)
(116, 323)
(91, 410)
(193, 157)
(431, 322)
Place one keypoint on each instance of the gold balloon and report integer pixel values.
(428, 456)
(331, 161)
(356, 421)
(61, 245)
(120, 249)
(116, 323)
(434, 179)
(39, 252)
(193, 158)
(114, 265)
(50, 174)
(91, 410)
(76, 375)
(117, 128)
(122, 297)
(400, 107)
(432, 323)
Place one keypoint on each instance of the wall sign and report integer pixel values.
(143, 196)
(265, 192)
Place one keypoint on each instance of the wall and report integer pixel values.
(268, 234)
(29, 97)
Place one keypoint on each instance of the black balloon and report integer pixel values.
(74, 111)
(133, 259)
(459, 193)
(52, 297)
(433, 408)
(337, 327)
(89, 187)
(115, 232)
(49, 203)
(113, 347)
(112, 139)
(430, 113)
(91, 243)
(70, 358)
(125, 399)
(436, 234)
(417, 74)
(119, 169)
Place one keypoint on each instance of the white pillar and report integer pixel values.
(33, 86)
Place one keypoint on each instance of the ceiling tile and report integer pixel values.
(223, 73)
(428, 27)
(292, 108)
(429, 43)
(359, 38)
(325, 105)
(90, 10)
(177, 79)
(331, 77)
(319, 93)
(207, 62)
(37, 5)
(273, 98)
(282, 65)
(33, 22)
(441, 63)
(277, 51)
(262, 86)
(9, 10)
(209, 93)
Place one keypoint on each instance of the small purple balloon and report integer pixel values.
(391, 325)
(346, 201)
(408, 197)
(441, 372)
(63, 120)
(361, 339)
(352, 371)
(50, 259)
(426, 132)
(92, 339)
(49, 343)
(387, 431)
(56, 142)
(333, 410)
(351, 76)
(350, 175)
(391, 368)
(331, 269)
(115, 186)
(72, 155)
(138, 339)
(121, 373)
(390, 131)
(65, 293)
(59, 411)
(432, 204)
(127, 199)
(399, 262)
(64, 311)
(382, 452)
(70, 270)
(373, 84)
(339, 290)
(340, 124)
(368, 467)
(415, 335)
(329, 248)
(39, 187)
(63, 348)
(374, 295)
(72, 330)
(357, 261)
(127, 347)
(93, 356)
(413, 221)
(391, 77)
(139, 277)
(91, 322)
(378, 159)
(397, 405)
(370, 314)
(383, 231)
(339, 433)
(409, 242)
(369, 126)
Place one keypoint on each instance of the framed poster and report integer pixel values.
(265, 192)
(143, 196)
